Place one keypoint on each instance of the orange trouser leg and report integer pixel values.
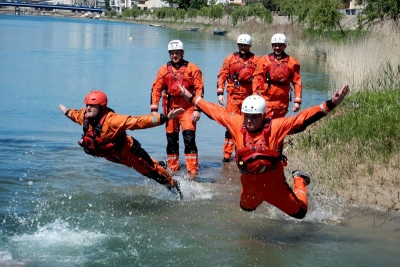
(300, 190)
(192, 163)
(148, 167)
(228, 148)
(233, 105)
(173, 162)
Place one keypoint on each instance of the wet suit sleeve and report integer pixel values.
(135, 122)
(296, 80)
(157, 88)
(258, 76)
(219, 114)
(76, 115)
(295, 124)
(223, 75)
(198, 81)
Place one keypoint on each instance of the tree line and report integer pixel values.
(320, 15)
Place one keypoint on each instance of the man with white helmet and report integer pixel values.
(177, 72)
(275, 75)
(258, 141)
(237, 74)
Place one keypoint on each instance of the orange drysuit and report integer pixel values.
(268, 184)
(166, 86)
(237, 73)
(118, 147)
(272, 81)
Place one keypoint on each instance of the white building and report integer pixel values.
(119, 4)
(151, 4)
(225, 2)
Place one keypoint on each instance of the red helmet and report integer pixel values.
(96, 97)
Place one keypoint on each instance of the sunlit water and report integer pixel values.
(61, 207)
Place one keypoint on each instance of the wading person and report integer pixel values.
(237, 74)
(177, 72)
(275, 75)
(104, 135)
(258, 141)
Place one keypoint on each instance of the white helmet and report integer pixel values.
(244, 39)
(254, 104)
(175, 45)
(278, 38)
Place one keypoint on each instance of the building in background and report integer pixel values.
(225, 2)
(151, 4)
(353, 7)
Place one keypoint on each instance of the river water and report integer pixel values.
(61, 207)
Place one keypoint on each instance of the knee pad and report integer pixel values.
(189, 138)
(228, 135)
(172, 143)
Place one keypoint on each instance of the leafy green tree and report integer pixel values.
(321, 15)
(107, 5)
(192, 13)
(186, 4)
(215, 11)
(379, 10)
(238, 13)
(324, 15)
(266, 3)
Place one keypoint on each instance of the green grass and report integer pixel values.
(368, 122)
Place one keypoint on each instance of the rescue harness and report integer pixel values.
(241, 72)
(257, 157)
(278, 71)
(91, 142)
(172, 79)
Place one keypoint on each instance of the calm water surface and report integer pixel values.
(61, 207)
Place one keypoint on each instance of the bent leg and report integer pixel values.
(229, 146)
(292, 202)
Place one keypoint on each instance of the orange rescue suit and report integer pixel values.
(165, 85)
(272, 81)
(268, 185)
(113, 131)
(237, 73)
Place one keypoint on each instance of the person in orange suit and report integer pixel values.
(237, 73)
(274, 76)
(258, 141)
(104, 135)
(166, 85)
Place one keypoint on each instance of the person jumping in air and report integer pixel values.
(104, 135)
(258, 141)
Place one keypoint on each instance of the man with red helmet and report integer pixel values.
(258, 140)
(237, 73)
(274, 76)
(104, 135)
(166, 85)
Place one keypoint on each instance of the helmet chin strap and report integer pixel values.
(102, 110)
